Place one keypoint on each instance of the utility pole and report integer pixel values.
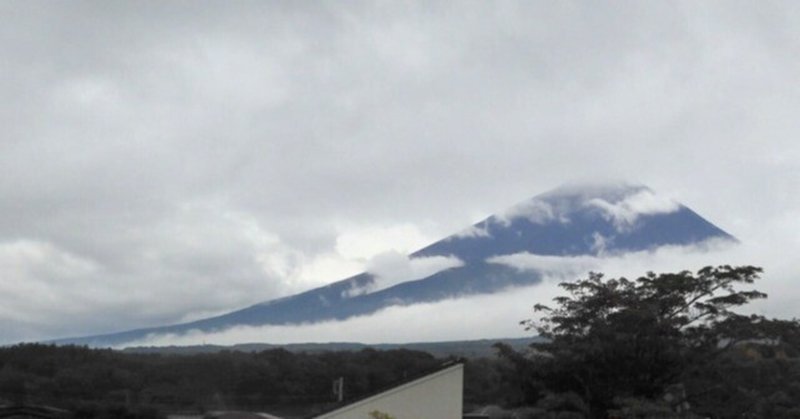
(338, 389)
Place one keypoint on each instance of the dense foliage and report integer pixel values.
(669, 344)
(80, 378)
(100, 383)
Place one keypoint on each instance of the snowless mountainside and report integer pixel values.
(569, 221)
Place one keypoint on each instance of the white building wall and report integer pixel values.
(435, 396)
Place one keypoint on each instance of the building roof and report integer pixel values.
(43, 412)
(239, 415)
(400, 383)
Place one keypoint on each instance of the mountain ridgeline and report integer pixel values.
(570, 221)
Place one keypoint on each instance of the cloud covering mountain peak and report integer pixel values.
(575, 219)
(621, 203)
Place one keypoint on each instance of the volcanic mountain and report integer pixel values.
(568, 221)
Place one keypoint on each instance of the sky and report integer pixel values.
(167, 161)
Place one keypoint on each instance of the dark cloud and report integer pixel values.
(164, 160)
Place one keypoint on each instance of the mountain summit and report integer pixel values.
(577, 220)
(581, 220)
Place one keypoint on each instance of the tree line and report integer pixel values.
(276, 380)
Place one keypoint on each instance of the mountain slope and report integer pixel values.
(569, 221)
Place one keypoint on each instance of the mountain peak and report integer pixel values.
(618, 200)
(581, 219)
(620, 203)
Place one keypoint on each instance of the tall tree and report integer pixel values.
(614, 339)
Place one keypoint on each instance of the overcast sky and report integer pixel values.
(163, 161)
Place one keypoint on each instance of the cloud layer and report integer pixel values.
(166, 162)
(498, 315)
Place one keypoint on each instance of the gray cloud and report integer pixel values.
(162, 161)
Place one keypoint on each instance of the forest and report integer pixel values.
(103, 383)
(667, 346)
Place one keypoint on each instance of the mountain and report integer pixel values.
(460, 348)
(578, 220)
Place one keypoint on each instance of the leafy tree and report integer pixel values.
(619, 339)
